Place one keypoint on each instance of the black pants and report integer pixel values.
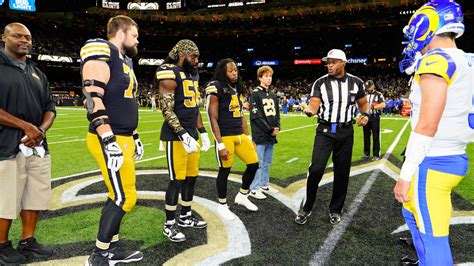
(325, 143)
(372, 127)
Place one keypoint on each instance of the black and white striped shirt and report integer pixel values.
(375, 97)
(338, 97)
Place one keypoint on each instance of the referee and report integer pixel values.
(333, 98)
(377, 104)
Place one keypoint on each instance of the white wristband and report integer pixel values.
(220, 146)
(250, 137)
(417, 148)
(107, 134)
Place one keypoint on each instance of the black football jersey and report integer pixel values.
(230, 108)
(120, 92)
(186, 97)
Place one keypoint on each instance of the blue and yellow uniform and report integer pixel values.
(230, 124)
(428, 214)
(122, 109)
(186, 107)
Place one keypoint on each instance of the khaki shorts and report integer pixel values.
(25, 184)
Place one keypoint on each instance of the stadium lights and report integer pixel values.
(249, 50)
(297, 48)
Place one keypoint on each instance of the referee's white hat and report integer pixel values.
(335, 54)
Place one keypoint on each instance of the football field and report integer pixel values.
(368, 234)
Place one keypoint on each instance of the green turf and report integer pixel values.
(292, 154)
(82, 227)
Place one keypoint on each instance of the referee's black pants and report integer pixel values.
(325, 143)
(372, 127)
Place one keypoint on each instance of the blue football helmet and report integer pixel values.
(434, 17)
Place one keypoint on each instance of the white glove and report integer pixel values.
(139, 151)
(205, 141)
(113, 151)
(189, 143)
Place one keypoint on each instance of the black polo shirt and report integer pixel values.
(24, 93)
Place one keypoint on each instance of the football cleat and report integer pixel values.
(119, 255)
(173, 233)
(189, 220)
(408, 260)
(98, 259)
(223, 210)
(242, 199)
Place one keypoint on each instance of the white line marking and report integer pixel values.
(292, 160)
(321, 257)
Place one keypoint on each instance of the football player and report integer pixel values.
(224, 95)
(178, 95)
(110, 86)
(436, 158)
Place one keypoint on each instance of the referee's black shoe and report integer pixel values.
(302, 217)
(334, 218)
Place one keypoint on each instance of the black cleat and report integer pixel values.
(10, 256)
(365, 157)
(408, 260)
(302, 217)
(407, 242)
(190, 220)
(98, 259)
(375, 158)
(173, 233)
(31, 249)
(119, 255)
(334, 218)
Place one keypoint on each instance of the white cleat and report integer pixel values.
(242, 199)
(223, 210)
(257, 194)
